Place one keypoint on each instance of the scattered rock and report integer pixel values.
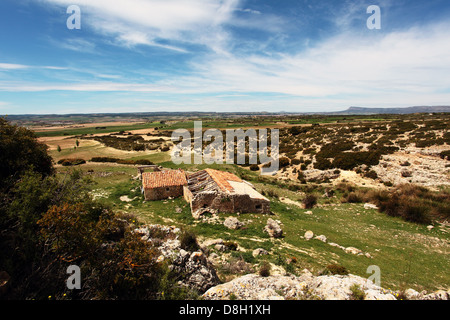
(309, 212)
(430, 228)
(195, 270)
(259, 252)
(321, 238)
(353, 250)
(126, 199)
(305, 286)
(211, 242)
(336, 245)
(273, 229)
(232, 223)
(309, 235)
(368, 206)
(220, 247)
(438, 295)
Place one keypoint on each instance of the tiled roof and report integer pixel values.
(167, 178)
(221, 178)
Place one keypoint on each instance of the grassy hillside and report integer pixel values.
(408, 254)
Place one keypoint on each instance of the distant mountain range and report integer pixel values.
(408, 110)
(190, 114)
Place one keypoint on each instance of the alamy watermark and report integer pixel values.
(74, 280)
(239, 145)
(74, 20)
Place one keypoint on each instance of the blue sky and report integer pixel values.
(222, 55)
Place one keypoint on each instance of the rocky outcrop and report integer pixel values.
(308, 287)
(273, 229)
(232, 223)
(193, 268)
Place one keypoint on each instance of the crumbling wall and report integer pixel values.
(163, 192)
(213, 201)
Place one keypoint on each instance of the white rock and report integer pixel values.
(259, 252)
(321, 238)
(353, 250)
(309, 235)
(232, 223)
(411, 294)
(368, 206)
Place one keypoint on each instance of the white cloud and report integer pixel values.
(173, 20)
(402, 68)
(11, 66)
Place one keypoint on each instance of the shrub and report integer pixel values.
(128, 264)
(230, 245)
(357, 293)
(142, 162)
(353, 197)
(350, 160)
(19, 150)
(104, 159)
(188, 241)
(284, 162)
(264, 269)
(445, 154)
(254, 167)
(406, 174)
(309, 201)
(335, 269)
(71, 162)
(371, 174)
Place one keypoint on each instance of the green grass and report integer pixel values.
(218, 124)
(409, 255)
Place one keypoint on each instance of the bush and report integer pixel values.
(335, 269)
(264, 269)
(309, 201)
(71, 162)
(254, 167)
(188, 241)
(350, 160)
(357, 293)
(19, 151)
(412, 203)
(371, 174)
(128, 265)
(445, 154)
(284, 162)
(142, 162)
(353, 197)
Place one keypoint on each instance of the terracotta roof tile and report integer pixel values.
(222, 178)
(168, 178)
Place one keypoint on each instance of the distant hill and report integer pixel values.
(408, 110)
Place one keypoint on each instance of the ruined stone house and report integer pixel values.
(218, 191)
(160, 185)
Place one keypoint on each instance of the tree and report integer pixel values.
(58, 148)
(20, 151)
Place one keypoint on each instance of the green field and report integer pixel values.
(94, 130)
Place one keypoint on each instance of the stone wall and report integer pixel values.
(214, 201)
(163, 192)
